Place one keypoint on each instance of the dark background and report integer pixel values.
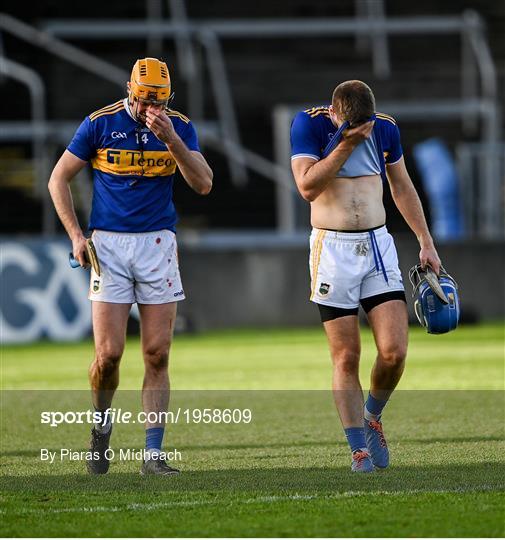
(262, 73)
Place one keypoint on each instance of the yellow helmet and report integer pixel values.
(150, 81)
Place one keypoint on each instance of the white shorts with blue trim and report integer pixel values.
(346, 267)
(136, 267)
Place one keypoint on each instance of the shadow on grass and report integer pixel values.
(286, 445)
(488, 476)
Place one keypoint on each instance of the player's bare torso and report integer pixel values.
(349, 204)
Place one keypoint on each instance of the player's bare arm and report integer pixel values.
(193, 166)
(313, 177)
(131, 214)
(59, 187)
(408, 203)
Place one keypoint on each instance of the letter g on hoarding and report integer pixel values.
(41, 295)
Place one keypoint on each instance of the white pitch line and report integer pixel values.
(136, 507)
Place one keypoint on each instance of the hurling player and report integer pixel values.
(342, 154)
(134, 146)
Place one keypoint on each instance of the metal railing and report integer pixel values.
(377, 42)
(476, 65)
(33, 81)
(477, 68)
(65, 51)
(59, 133)
(208, 34)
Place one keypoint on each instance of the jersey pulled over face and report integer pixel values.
(133, 171)
(314, 135)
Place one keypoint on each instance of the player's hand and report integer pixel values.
(161, 125)
(429, 256)
(357, 135)
(79, 250)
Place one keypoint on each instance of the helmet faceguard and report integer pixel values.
(436, 299)
(150, 84)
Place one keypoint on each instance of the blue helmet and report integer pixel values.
(436, 300)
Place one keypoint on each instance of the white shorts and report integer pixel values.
(136, 267)
(346, 268)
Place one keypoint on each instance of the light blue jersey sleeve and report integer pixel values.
(82, 144)
(304, 139)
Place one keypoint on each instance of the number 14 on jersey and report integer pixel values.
(143, 137)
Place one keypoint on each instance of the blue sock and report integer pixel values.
(356, 438)
(373, 407)
(154, 438)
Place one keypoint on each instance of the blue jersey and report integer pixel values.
(133, 171)
(314, 135)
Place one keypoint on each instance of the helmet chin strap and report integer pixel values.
(133, 103)
(170, 100)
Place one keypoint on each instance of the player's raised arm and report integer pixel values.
(193, 166)
(313, 176)
(59, 187)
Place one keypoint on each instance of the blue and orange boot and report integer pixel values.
(361, 462)
(376, 443)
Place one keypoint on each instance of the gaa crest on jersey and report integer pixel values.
(324, 289)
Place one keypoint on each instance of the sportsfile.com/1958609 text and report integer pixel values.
(179, 415)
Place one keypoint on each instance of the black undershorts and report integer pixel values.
(328, 313)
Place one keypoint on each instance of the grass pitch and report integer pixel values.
(284, 474)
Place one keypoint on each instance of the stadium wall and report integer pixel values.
(236, 282)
